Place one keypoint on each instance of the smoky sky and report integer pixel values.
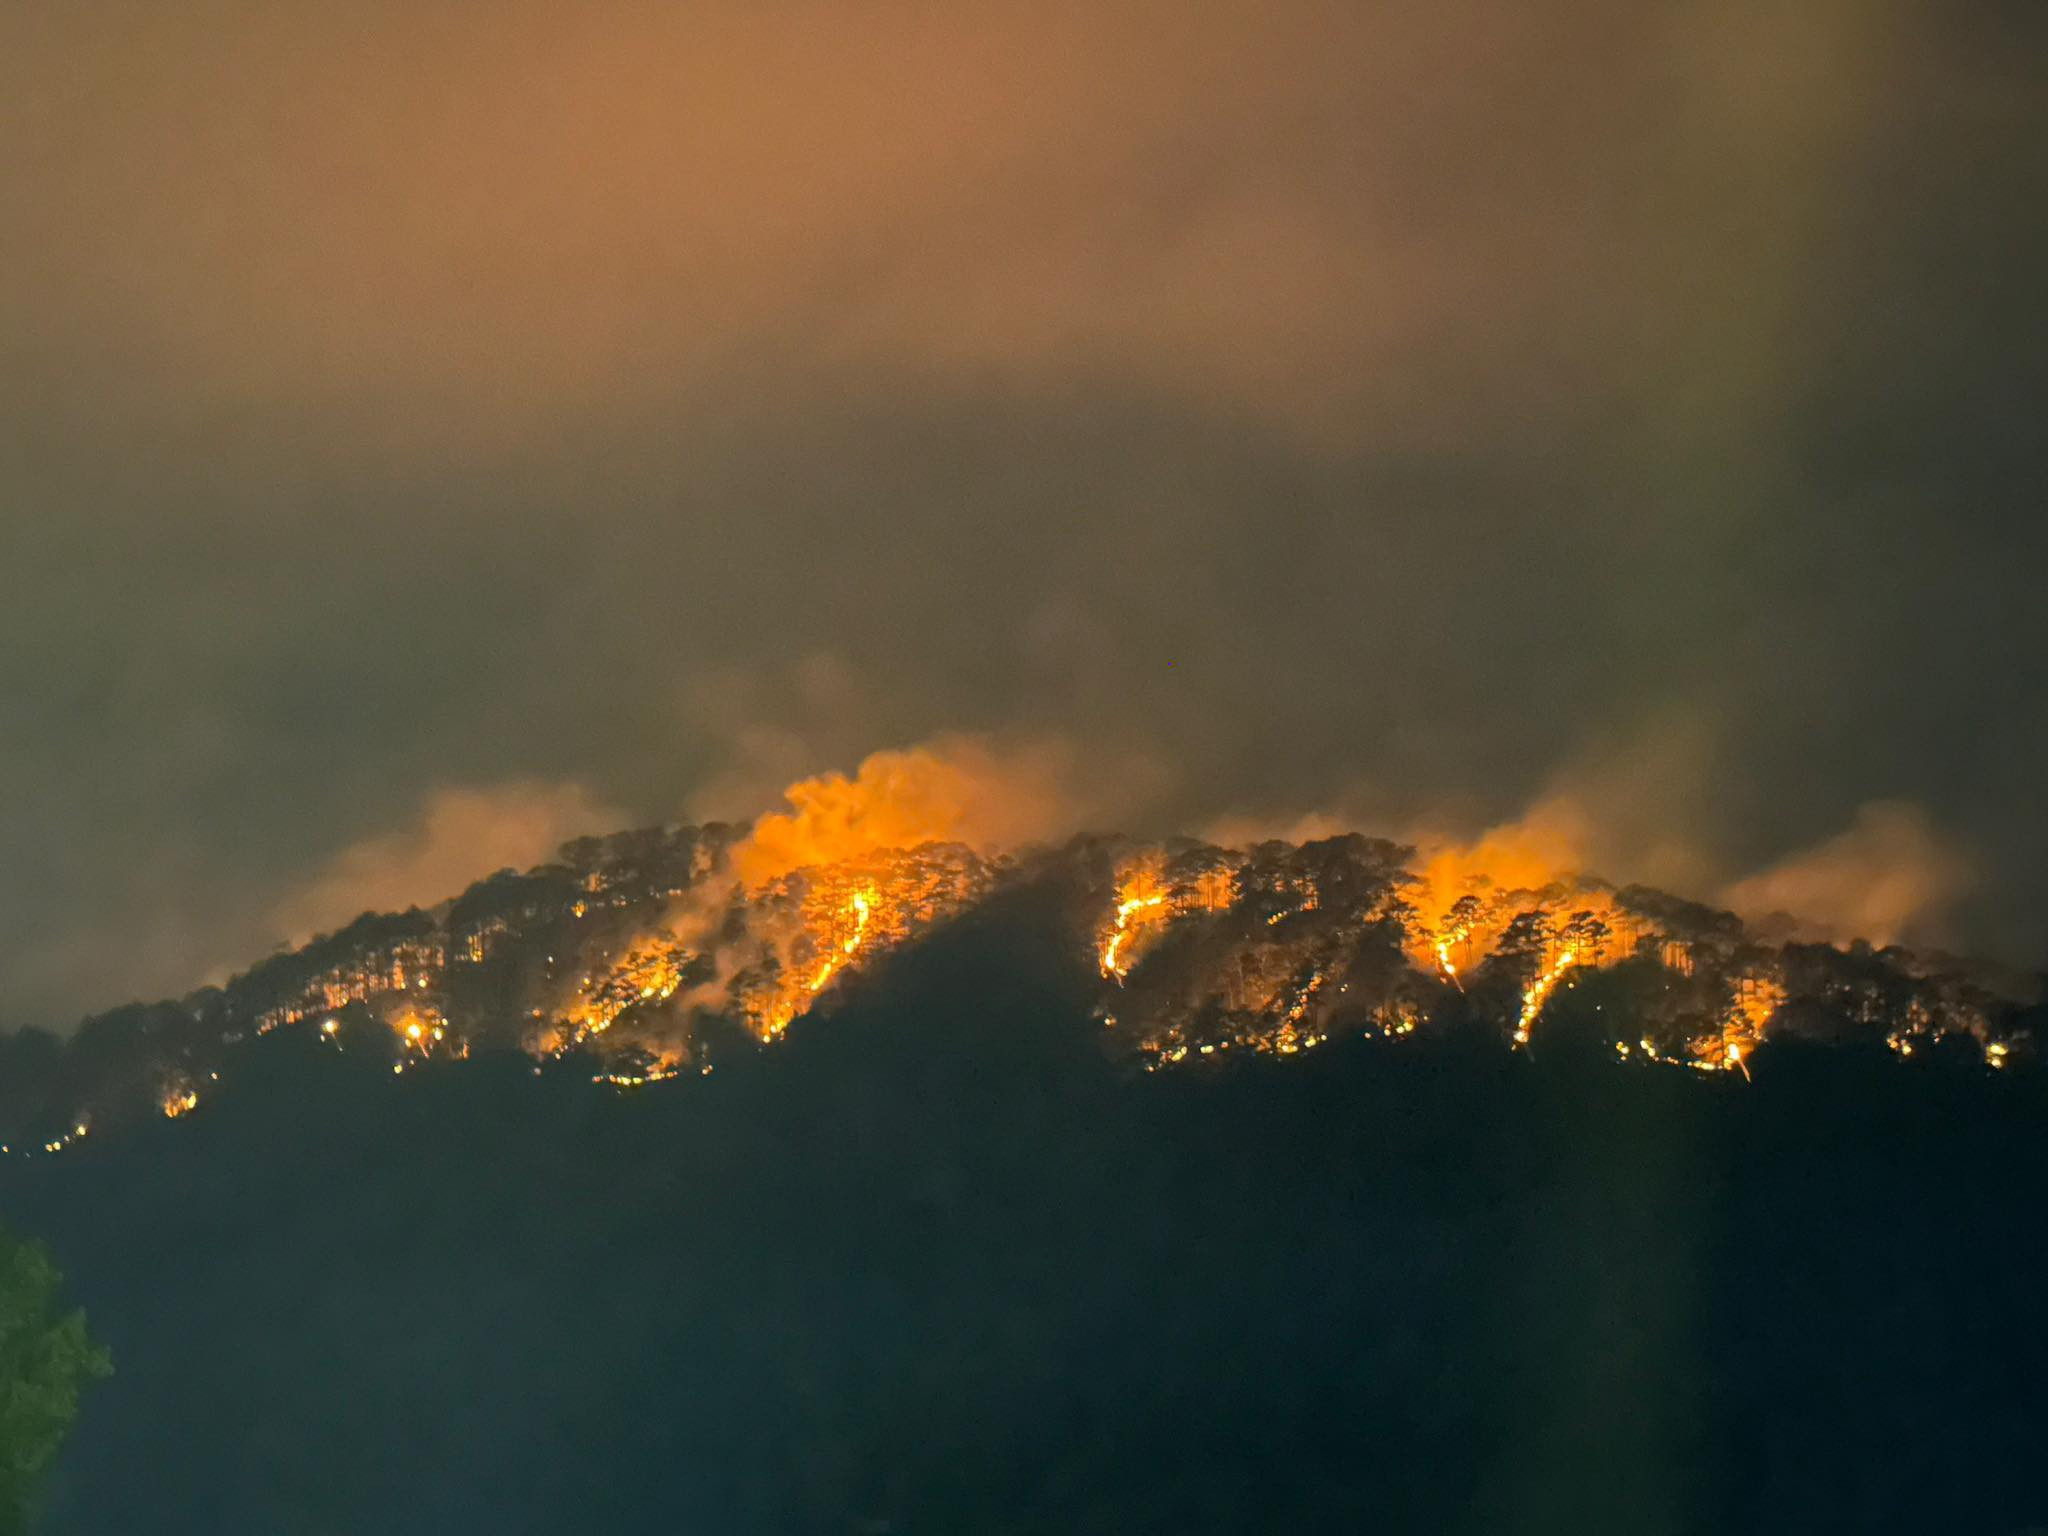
(614, 408)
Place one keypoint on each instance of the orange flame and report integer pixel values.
(954, 790)
(1539, 991)
(861, 906)
(1141, 902)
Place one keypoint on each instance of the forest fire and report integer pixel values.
(1355, 942)
(808, 929)
(1755, 1003)
(861, 907)
(1150, 896)
(644, 951)
(649, 972)
(1139, 895)
(421, 1030)
(836, 936)
(1539, 992)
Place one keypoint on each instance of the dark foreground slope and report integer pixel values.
(934, 1265)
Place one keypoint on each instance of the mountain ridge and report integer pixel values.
(640, 956)
(938, 1263)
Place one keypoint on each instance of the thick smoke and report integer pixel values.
(835, 870)
(1891, 876)
(954, 789)
(460, 835)
(403, 396)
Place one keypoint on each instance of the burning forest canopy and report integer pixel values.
(651, 955)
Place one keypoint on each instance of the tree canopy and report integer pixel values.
(47, 1359)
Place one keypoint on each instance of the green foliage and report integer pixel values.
(46, 1360)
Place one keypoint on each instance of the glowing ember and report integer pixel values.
(862, 906)
(421, 1031)
(648, 973)
(1300, 1005)
(809, 928)
(1755, 1003)
(1276, 948)
(1139, 895)
(1539, 992)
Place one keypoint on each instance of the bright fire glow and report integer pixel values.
(1756, 1001)
(861, 906)
(421, 1031)
(1446, 966)
(811, 927)
(1539, 991)
(1140, 895)
(1311, 940)
(648, 973)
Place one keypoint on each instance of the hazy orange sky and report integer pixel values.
(622, 408)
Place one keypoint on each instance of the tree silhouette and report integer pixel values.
(46, 1360)
(1528, 937)
(1587, 934)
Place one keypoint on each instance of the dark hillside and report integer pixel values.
(939, 1265)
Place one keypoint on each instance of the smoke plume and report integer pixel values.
(952, 789)
(460, 835)
(1890, 876)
